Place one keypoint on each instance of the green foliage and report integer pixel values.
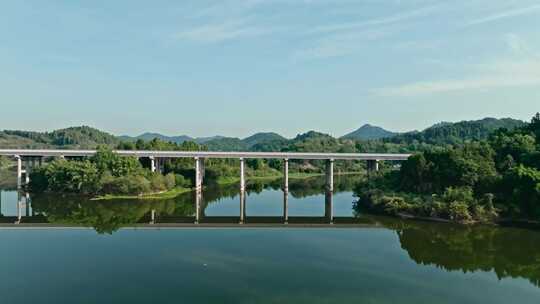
(467, 181)
(75, 137)
(521, 189)
(457, 133)
(66, 176)
(434, 171)
(106, 160)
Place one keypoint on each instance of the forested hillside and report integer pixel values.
(74, 137)
(457, 133)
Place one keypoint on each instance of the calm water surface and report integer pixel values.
(387, 261)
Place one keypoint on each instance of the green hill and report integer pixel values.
(83, 137)
(369, 132)
(262, 137)
(457, 133)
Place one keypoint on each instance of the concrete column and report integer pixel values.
(372, 165)
(286, 207)
(27, 204)
(242, 207)
(158, 164)
(330, 175)
(27, 169)
(19, 171)
(19, 208)
(242, 176)
(329, 206)
(153, 217)
(198, 209)
(286, 175)
(199, 172)
(152, 164)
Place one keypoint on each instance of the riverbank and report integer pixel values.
(170, 194)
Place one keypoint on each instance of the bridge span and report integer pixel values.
(31, 157)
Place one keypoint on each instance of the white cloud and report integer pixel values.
(341, 44)
(505, 14)
(499, 75)
(213, 33)
(420, 12)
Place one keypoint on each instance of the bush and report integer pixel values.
(170, 181)
(157, 182)
(459, 212)
(181, 181)
(66, 176)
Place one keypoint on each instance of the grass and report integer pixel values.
(170, 194)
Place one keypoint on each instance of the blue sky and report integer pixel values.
(236, 67)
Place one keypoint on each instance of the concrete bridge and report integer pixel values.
(33, 157)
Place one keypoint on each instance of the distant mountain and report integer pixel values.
(369, 132)
(444, 133)
(202, 140)
(175, 139)
(74, 137)
(459, 132)
(262, 137)
(149, 136)
(226, 144)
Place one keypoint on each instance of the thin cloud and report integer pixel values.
(228, 30)
(506, 14)
(424, 11)
(501, 75)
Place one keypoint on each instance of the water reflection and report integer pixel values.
(188, 208)
(507, 252)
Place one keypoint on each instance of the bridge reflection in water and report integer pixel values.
(187, 210)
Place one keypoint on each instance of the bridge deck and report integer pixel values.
(206, 154)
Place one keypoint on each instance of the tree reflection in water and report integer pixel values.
(508, 252)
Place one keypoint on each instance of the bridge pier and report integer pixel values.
(285, 207)
(199, 173)
(242, 207)
(330, 175)
(19, 171)
(286, 175)
(242, 176)
(152, 163)
(198, 208)
(372, 165)
(329, 207)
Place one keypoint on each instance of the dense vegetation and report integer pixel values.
(104, 173)
(75, 137)
(476, 181)
(457, 133)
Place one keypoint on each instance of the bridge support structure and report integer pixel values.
(152, 163)
(286, 175)
(199, 173)
(24, 168)
(329, 207)
(372, 166)
(330, 175)
(242, 175)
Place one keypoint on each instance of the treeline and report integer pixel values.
(104, 173)
(477, 181)
(74, 137)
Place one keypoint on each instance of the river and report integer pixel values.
(308, 248)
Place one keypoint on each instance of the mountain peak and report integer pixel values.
(369, 132)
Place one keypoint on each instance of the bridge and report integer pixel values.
(31, 157)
